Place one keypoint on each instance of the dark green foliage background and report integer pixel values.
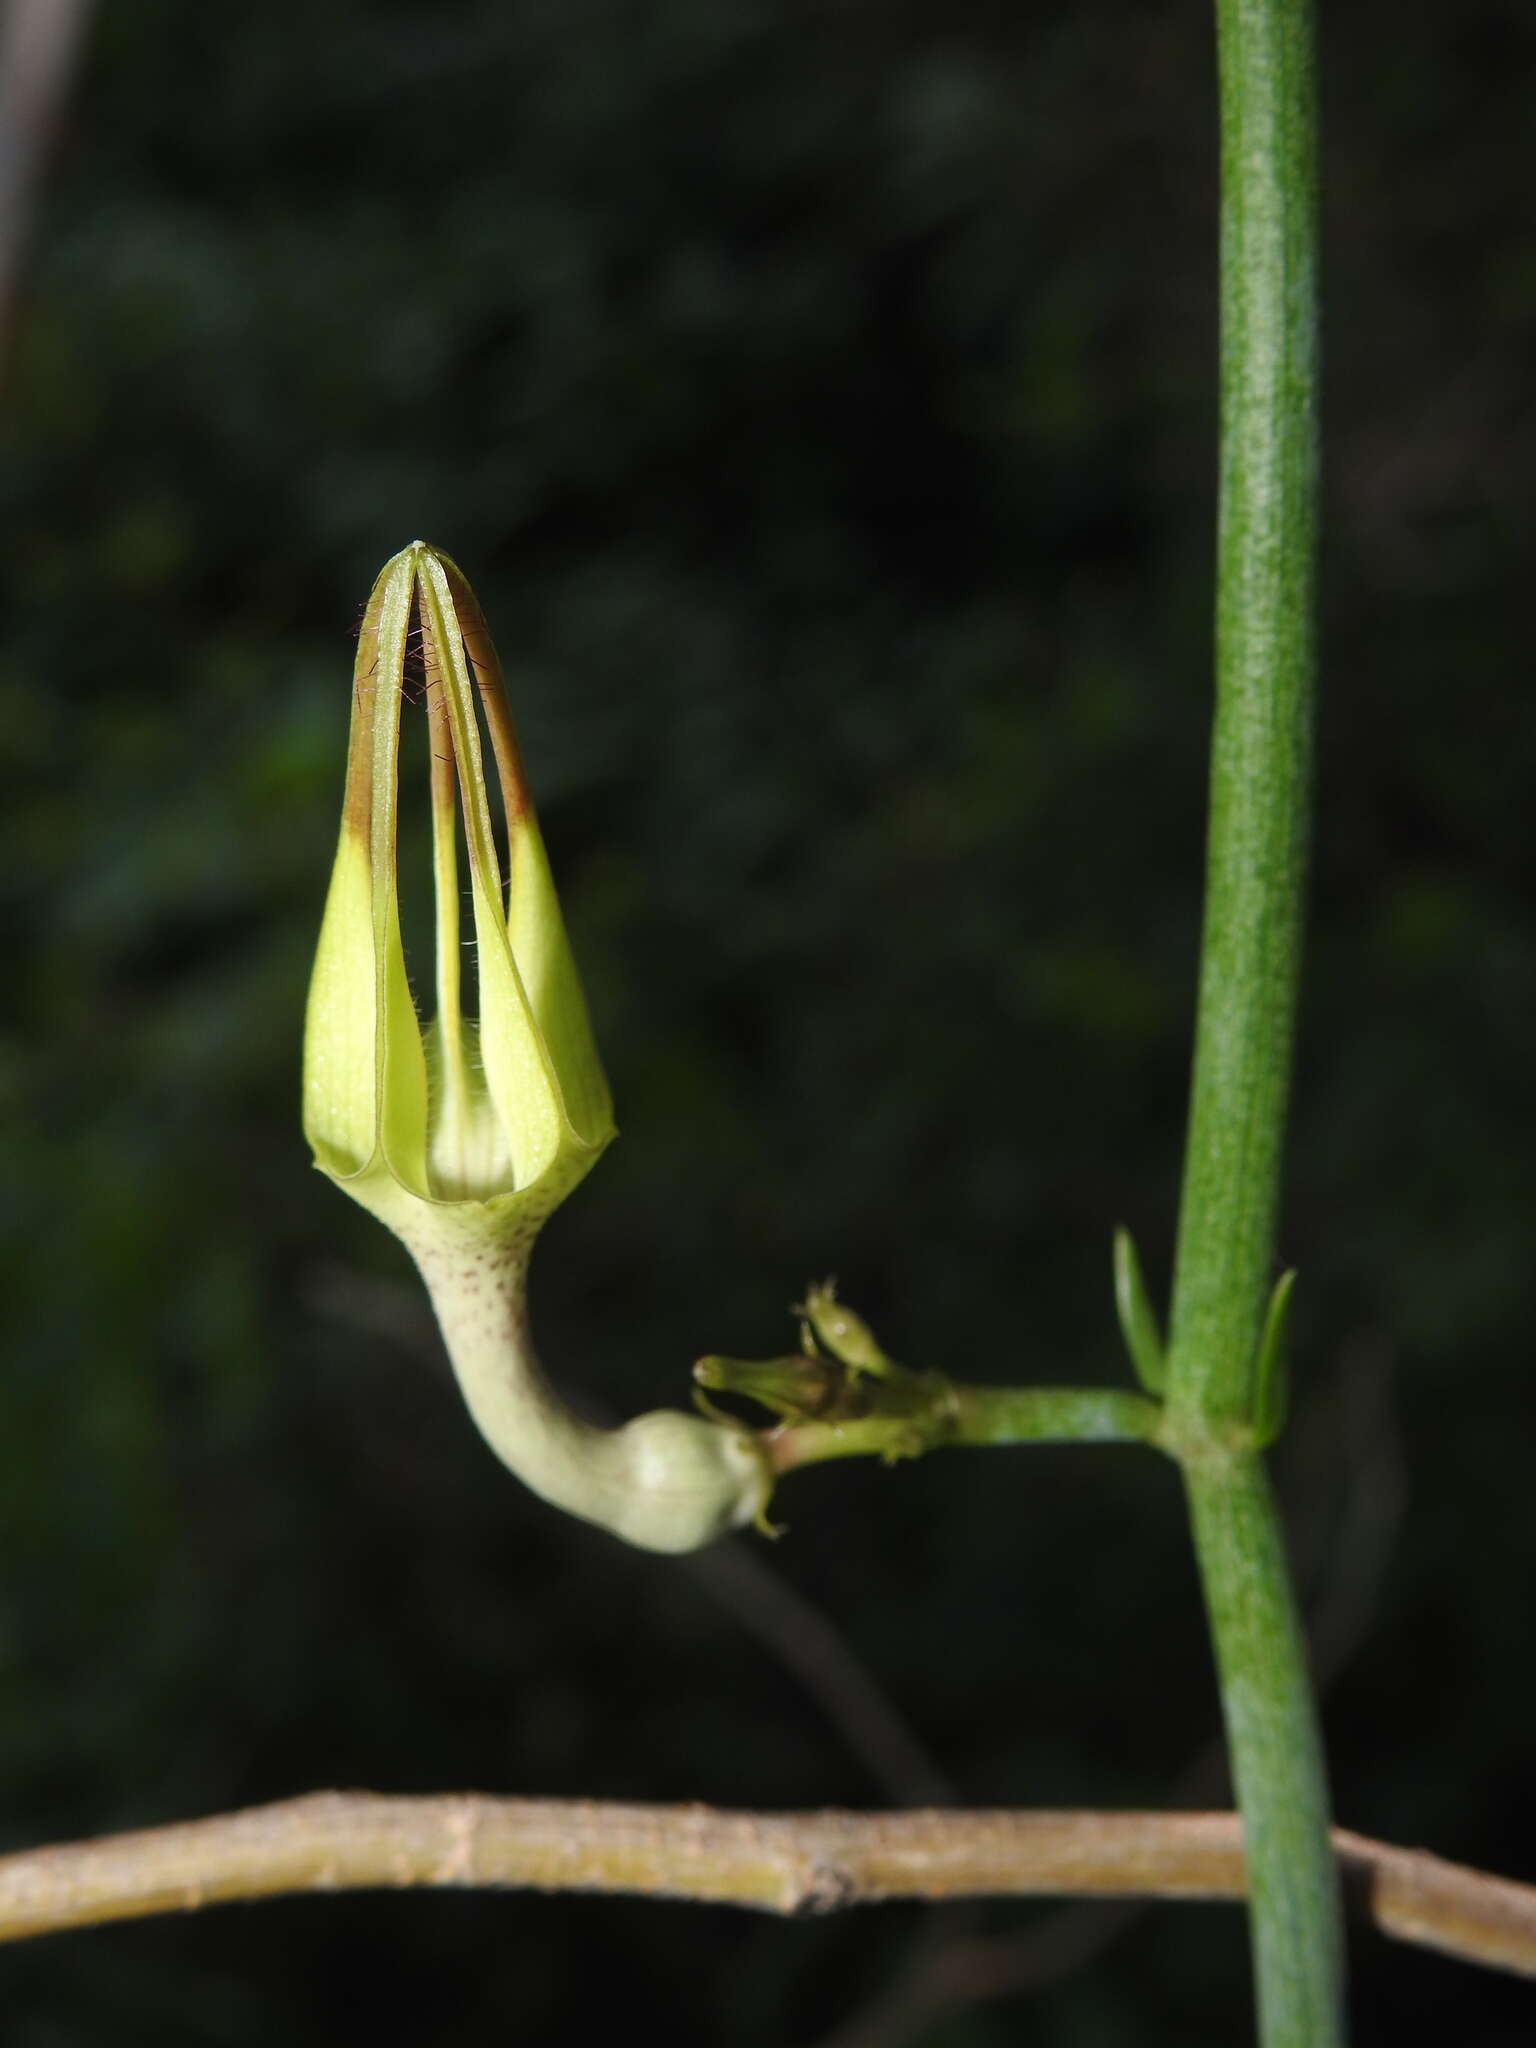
(821, 399)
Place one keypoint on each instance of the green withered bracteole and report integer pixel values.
(463, 1137)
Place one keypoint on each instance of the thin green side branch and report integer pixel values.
(777, 1863)
(953, 1414)
(842, 1396)
(1084, 1415)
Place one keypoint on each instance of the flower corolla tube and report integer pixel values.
(462, 1136)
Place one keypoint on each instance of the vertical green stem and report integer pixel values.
(1261, 742)
(1250, 959)
(1277, 1762)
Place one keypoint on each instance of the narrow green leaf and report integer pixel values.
(1272, 1364)
(1138, 1318)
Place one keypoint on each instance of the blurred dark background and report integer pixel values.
(821, 399)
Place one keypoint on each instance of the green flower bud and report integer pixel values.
(464, 1138)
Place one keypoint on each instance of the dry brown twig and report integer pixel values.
(778, 1863)
(40, 44)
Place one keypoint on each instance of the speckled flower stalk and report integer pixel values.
(464, 1138)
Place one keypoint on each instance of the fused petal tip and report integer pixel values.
(509, 1106)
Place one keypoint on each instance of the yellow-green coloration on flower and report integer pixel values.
(511, 1111)
(463, 1137)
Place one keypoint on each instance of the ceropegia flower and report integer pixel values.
(464, 1136)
